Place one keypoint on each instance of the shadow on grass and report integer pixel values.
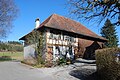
(5, 58)
(85, 74)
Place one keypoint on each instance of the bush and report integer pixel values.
(30, 62)
(5, 58)
(62, 61)
(48, 64)
(107, 67)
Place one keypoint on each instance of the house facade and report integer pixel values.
(60, 43)
(64, 37)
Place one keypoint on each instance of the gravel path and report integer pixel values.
(17, 71)
(80, 70)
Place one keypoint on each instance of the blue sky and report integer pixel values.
(29, 10)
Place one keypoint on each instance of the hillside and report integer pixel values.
(11, 46)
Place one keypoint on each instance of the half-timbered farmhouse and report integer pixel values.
(64, 37)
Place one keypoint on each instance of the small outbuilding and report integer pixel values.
(63, 37)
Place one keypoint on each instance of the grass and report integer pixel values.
(7, 56)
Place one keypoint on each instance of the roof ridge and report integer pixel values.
(45, 21)
(74, 21)
(49, 19)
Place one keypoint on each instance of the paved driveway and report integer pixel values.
(18, 71)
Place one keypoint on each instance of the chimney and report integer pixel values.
(37, 23)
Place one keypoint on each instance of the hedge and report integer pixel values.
(107, 67)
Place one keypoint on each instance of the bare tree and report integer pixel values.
(8, 12)
(96, 10)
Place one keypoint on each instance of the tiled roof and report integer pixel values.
(59, 22)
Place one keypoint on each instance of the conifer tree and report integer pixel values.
(108, 31)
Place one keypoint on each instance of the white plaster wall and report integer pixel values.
(29, 52)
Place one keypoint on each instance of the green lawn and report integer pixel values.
(6, 56)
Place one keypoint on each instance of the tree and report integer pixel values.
(8, 12)
(6, 46)
(108, 31)
(14, 42)
(96, 10)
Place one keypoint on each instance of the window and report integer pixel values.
(55, 36)
(66, 38)
(51, 36)
(71, 39)
(59, 36)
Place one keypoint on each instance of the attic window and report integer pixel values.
(59, 36)
(71, 39)
(54, 35)
(66, 38)
(51, 36)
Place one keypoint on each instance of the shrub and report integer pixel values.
(30, 62)
(107, 67)
(48, 64)
(62, 61)
(5, 58)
